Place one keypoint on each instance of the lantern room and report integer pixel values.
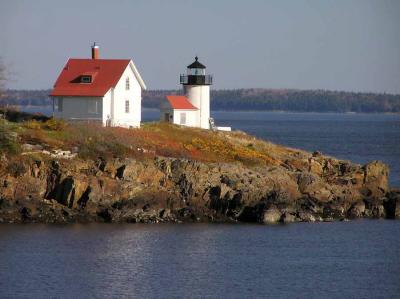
(196, 74)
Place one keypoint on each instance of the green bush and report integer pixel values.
(33, 124)
(8, 140)
(55, 124)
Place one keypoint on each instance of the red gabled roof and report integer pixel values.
(180, 102)
(105, 74)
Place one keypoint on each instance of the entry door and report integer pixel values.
(166, 115)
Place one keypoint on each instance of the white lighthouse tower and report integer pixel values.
(196, 86)
(193, 108)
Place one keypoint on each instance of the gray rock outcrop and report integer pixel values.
(175, 190)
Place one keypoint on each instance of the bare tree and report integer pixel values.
(2, 78)
(2, 87)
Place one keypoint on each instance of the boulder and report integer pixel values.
(288, 218)
(315, 167)
(374, 208)
(376, 179)
(333, 211)
(27, 147)
(307, 217)
(357, 210)
(313, 186)
(272, 215)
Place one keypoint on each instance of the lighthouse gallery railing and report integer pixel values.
(196, 79)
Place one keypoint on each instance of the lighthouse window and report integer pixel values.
(183, 118)
(196, 72)
(127, 83)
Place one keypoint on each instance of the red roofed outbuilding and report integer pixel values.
(177, 109)
(101, 90)
(180, 103)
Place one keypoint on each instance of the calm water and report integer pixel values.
(359, 259)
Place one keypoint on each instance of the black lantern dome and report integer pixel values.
(196, 74)
(196, 64)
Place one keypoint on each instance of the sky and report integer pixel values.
(351, 45)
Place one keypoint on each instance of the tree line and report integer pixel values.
(252, 99)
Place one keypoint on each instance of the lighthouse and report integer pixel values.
(196, 87)
(193, 108)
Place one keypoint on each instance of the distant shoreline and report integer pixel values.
(31, 108)
(252, 99)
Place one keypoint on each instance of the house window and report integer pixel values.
(58, 104)
(183, 118)
(93, 106)
(127, 83)
(127, 106)
(86, 79)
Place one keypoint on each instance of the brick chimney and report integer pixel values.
(95, 51)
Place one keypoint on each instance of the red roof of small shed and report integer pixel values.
(105, 75)
(180, 102)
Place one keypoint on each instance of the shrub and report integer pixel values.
(8, 142)
(33, 124)
(16, 169)
(55, 124)
(101, 145)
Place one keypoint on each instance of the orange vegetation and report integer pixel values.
(92, 141)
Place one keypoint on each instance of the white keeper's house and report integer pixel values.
(193, 108)
(108, 91)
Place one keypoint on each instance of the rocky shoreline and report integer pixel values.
(309, 188)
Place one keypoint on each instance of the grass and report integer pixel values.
(153, 139)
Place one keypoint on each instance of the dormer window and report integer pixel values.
(127, 83)
(86, 79)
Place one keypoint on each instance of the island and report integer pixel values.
(55, 172)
